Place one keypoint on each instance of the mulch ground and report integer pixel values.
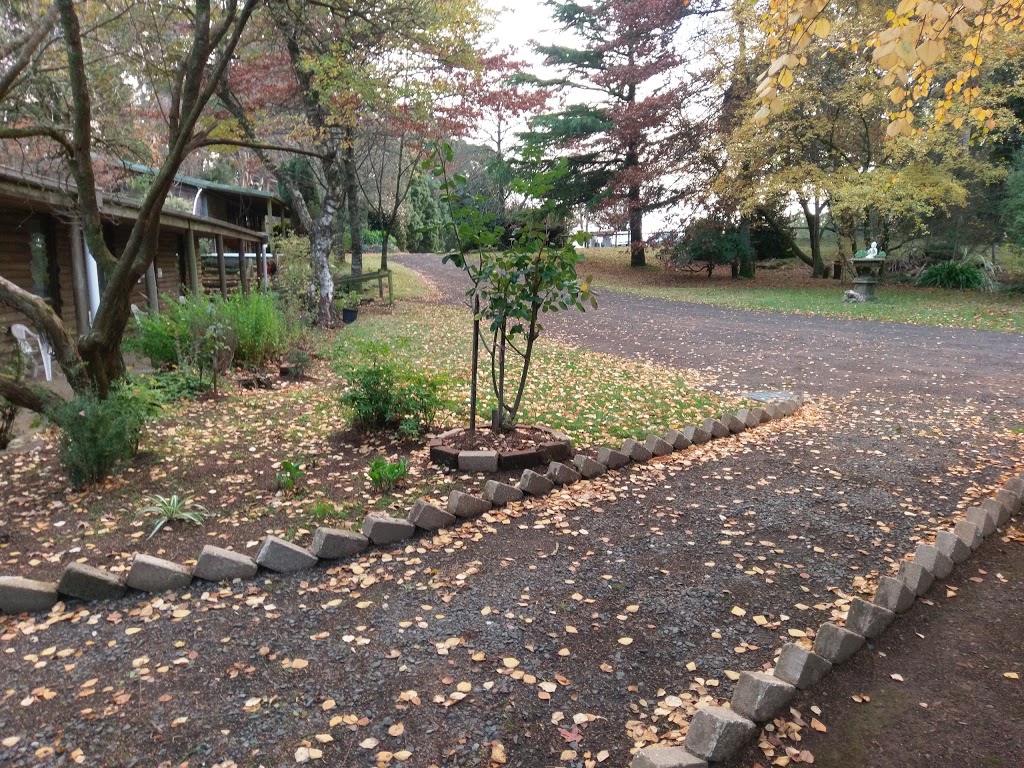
(571, 630)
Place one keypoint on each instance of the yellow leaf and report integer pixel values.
(930, 51)
(397, 729)
(785, 78)
(625, 641)
(817, 725)
(498, 753)
(510, 662)
(822, 27)
(737, 611)
(1011, 675)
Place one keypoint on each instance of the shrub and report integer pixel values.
(299, 362)
(259, 328)
(955, 275)
(209, 335)
(14, 367)
(173, 509)
(710, 242)
(384, 394)
(385, 475)
(97, 436)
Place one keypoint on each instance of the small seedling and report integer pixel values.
(288, 476)
(173, 509)
(385, 475)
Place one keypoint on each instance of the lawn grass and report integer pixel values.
(791, 290)
(591, 397)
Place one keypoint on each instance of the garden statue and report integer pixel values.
(872, 251)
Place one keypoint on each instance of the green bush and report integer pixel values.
(98, 436)
(259, 327)
(955, 275)
(12, 366)
(385, 394)
(210, 335)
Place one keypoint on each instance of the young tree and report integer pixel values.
(513, 283)
(630, 134)
(61, 86)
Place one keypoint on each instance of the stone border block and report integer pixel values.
(918, 578)
(384, 529)
(466, 505)
(836, 644)
(535, 483)
(716, 733)
(759, 696)
(715, 428)
(500, 494)
(612, 458)
(800, 667)
(677, 440)
(561, 474)
(636, 451)
(219, 564)
(934, 561)
(969, 533)
(430, 517)
(763, 417)
(952, 546)
(734, 423)
(658, 446)
(666, 757)
(156, 575)
(985, 520)
(587, 467)
(89, 583)
(478, 461)
(697, 435)
(1001, 511)
(282, 556)
(894, 595)
(18, 595)
(336, 543)
(748, 418)
(867, 619)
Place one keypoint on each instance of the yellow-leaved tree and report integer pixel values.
(918, 46)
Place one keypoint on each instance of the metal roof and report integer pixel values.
(19, 187)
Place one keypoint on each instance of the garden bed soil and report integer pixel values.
(519, 439)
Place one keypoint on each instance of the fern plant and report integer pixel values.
(173, 509)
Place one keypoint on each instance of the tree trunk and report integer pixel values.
(747, 266)
(352, 191)
(813, 219)
(637, 257)
(320, 262)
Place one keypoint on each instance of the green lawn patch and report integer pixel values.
(791, 290)
(593, 398)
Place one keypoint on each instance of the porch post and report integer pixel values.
(243, 273)
(191, 265)
(78, 279)
(222, 271)
(261, 267)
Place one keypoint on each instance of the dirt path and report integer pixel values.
(564, 632)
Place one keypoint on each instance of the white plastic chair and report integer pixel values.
(30, 342)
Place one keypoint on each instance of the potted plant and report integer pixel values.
(350, 307)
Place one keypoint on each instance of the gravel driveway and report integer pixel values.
(564, 632)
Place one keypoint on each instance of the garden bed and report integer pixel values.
(225, 452)
(521, 448)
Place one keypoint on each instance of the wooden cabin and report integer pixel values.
(43, 251)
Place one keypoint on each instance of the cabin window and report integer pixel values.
(41, 263)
